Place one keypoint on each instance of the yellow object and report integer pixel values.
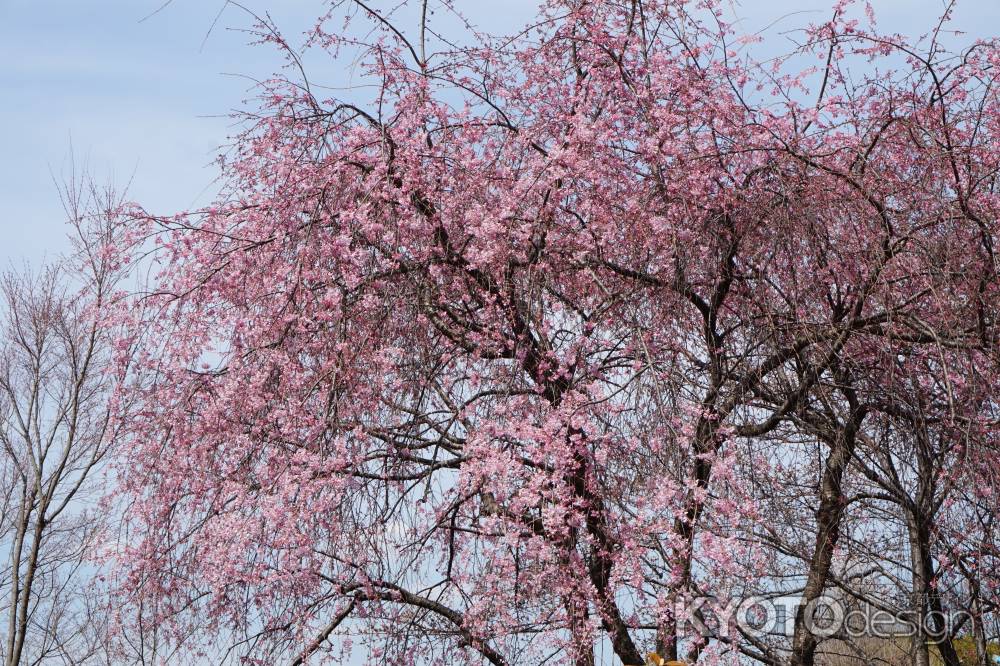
(653, 659)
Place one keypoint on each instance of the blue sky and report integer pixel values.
(147, 100)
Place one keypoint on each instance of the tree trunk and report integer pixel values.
(828, 519)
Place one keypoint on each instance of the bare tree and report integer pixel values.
(56, 431)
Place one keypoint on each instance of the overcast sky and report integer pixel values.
(143, 95)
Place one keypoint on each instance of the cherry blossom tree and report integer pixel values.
(505, 356)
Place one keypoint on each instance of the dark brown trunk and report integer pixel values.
(828, 519)
(930, 609)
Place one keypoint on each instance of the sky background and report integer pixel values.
(143, 96)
